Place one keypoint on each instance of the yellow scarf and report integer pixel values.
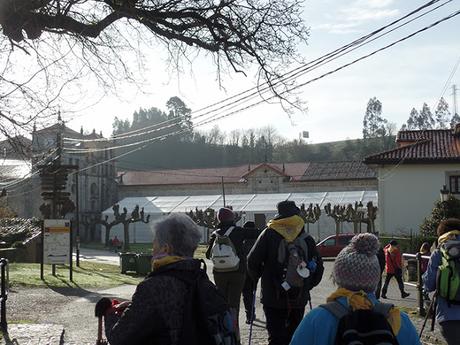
(359, 300)
(156, 264)
(448, 236)
(289, 227)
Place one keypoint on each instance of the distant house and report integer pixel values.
(411, 176)
(246, 179)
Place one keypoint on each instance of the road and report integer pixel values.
(74, 308)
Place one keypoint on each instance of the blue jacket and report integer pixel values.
(443, 311)
(319, 327)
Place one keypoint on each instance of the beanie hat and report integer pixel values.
(357, 267)
(225, 215)
(249, 225)
(287, 209)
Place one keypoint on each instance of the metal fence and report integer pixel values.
(419, 284)
(3, 292)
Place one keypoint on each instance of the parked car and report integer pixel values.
(332, 245)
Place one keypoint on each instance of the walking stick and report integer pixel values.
(101, 307)
(432, 309)
(100, 340)
(433, 318)
(253, 312)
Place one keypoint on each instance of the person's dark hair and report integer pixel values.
(425, 248)
(394, 242)
(448, 225)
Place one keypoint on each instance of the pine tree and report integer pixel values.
(441, 211)
(442, 114)
(374, 125)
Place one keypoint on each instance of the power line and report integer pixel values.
(217, 116)
(287, 77)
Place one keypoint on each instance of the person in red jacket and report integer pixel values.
(393, 268)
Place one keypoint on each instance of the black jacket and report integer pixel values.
(238, 236)
(263, 262)
(156, 312)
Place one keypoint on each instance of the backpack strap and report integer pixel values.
(383, 308)
(336, 308)
(229, 231)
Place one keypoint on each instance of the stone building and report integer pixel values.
(249, 179)
(97, 185)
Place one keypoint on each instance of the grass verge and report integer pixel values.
(145, 248)
(89, 274)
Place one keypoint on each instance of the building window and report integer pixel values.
(454, 184)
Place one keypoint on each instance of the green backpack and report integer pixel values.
(449, 272)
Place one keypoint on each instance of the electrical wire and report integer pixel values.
(286, 78)
(216, 117)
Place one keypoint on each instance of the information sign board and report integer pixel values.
(56, 241)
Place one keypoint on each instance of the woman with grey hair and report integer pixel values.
(156, 313)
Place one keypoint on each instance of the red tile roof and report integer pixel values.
(427, 146)
(208, 175)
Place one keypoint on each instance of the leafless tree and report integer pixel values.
(49, 48)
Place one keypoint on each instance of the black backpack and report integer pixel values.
(207, 316)
(362, 327)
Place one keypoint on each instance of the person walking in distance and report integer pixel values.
(443, 276)
(225, 249)
(250, 286)
(286, 259)
(393, 268)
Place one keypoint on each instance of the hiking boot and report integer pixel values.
(405, 294)
(384, 296)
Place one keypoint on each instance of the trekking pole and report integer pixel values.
(101, 307)
(100, 340)
(430, 309)
(433, 317)
(309, 303)
(253, 312)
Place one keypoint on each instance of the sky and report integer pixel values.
(402, 77)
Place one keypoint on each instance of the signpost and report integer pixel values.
(56, 243)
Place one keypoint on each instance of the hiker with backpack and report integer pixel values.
(226, 250)
(352, 314)
(250, 285)
(176, 304)
(287, 261)
(393, 268)
(443, 277)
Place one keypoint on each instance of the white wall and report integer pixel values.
(407, 194)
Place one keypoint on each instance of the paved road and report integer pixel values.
(74, 308)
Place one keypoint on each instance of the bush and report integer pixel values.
(441, 211)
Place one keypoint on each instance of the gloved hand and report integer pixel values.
(102, 306)
(312, 266)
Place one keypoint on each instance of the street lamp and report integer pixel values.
(444, 194)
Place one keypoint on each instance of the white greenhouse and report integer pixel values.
(255, 207)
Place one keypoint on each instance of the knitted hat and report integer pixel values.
(225, 215)
(249, 225)
(357, 267)
(287, 209)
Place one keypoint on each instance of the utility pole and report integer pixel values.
(223, 190)
(454, 93)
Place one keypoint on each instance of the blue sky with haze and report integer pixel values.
(402, 77)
